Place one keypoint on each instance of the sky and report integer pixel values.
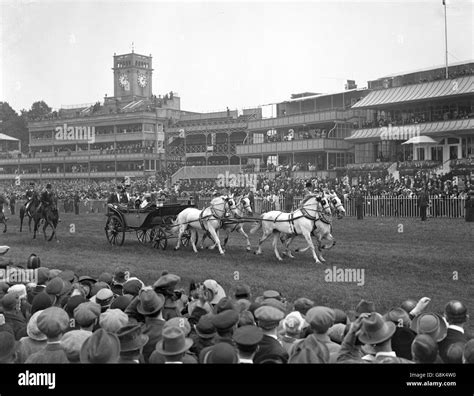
(221, 54)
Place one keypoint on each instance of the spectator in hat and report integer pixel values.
(408, 305)
(86, 315)
(72, 343)
(455, 313)
(246, 318)
(8, 347)
(424, 349)
(121, 302)
(34, 342)
(224, 304)
(242, 292)
(87, 282)
(104, 298)
(216, 291)
(106, 278)
(13, 316)
(303, 305)
(20, 290)
(165, 285)
(150, 305)
(40, 301)
(132, 286)
(204, 335)
(377, 332)
(119, 278)
(96, 287)
(404, 336)
(52, 322)
(172, 346)
(468, 354)
(101, 347)
(292, 328)
(268, 318)
(132, 341)
(247, 340)
(320, 319)
(54, 289)
(221, 353)
(113, 320)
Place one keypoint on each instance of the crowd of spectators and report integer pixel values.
(64, 317)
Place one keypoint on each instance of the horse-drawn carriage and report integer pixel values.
(152, 225)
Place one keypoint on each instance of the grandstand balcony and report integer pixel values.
(99, 138)
(293, 146)
(74, 175)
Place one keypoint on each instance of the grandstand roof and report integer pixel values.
(6, 137)
(430, 128)
(417, 92)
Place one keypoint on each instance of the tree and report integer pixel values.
(38, 110)
(13, 125)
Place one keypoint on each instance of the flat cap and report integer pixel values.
(248, 335)
(180, 322)
(53, 321)
(268, 317)
(271, 294)
(55, 286)
(122, 302)
(225, 320)
(67, 275)
(398, 316)
(10, 301)
(85, 313)
(72, 343)
(112, 320)
(273, 302)
(167, 281)
(303, 304)
(205, 327)
(320, 318)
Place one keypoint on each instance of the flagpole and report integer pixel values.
(446, 37)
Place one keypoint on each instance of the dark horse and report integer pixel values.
(30, 212)
(3, 220)
(50, 216)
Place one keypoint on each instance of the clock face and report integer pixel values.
(142, 80)
(123, 80)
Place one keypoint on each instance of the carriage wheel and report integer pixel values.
(115, 231)
(186, 237)
(145, 236)
(160, 240)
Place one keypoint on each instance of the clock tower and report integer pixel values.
(132, 77)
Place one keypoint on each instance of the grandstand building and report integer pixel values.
(417, 120)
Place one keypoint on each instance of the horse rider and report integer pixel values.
(46, 198)
(3, 201)
(30, 193)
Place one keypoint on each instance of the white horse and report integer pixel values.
(323, 228)
(208, 220)
(299, 222)
(243, 208)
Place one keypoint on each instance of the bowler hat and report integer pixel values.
(221, 353)
(430, 323)
(375, 329)
(150, 302)
(100, 347)
(173, 342)
(131, 337)
(33, 262)
(455, 312)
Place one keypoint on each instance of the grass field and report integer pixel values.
(420, 261)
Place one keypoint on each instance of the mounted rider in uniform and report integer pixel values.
(47, 198)
(30, 193)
